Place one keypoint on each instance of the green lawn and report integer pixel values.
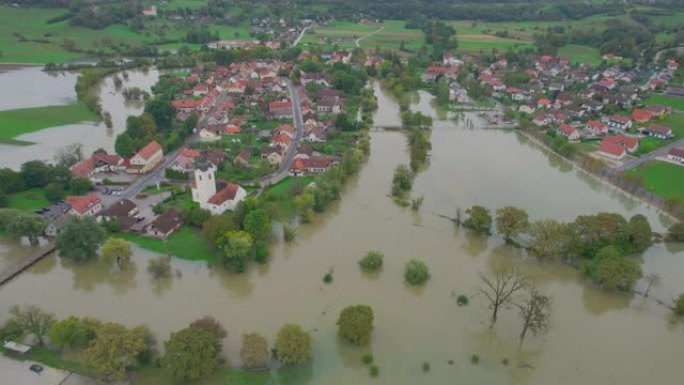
(55, 359)
(28, 200)
(16, 122)
(581, 54)
(665, 100)
(284, 185)
(663, 179)
(186, 243)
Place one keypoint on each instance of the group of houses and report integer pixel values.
(551, 99)
(142, 162)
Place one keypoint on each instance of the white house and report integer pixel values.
(217, 197)
(146, 159)
(82, 206)
(676, 154)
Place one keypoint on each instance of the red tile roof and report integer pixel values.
(567, 129)
(642, 115)
(278, 105)
(189, 153)
(228, 193)
(611, 148)
(627, 142)
(81, 204)
(182, 104)
(596, 124)
(677, 152)
(84, 168)
(149, 150)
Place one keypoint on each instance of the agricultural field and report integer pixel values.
(26, 37)
(16, 122)
(662, 178)
(483, 42)
(390, 34)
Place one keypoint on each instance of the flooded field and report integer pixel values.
(595, 338)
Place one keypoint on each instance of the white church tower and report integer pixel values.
(204, 186)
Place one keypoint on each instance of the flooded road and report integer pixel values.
(32, 87)
(595, 338)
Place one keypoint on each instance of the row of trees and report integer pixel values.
(110, 350)
(604, 241)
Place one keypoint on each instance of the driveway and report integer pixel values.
(17, 373)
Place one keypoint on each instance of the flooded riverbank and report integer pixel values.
(595, 338)
(27, 87)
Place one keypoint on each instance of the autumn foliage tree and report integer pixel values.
(293, 345)
(254, 351)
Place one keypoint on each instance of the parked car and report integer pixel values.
(36, 368)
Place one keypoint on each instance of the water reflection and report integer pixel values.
(475, 244)
(599, 303)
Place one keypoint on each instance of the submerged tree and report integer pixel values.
(117, 250)
(535, 310)
(356, 324)
(511, 222)
(500, 286)
(652, 280)
(254, 351)
(293, 345)
(159, 267)
(33, 320)
(478, 220)
(79, 238)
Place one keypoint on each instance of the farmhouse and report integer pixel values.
(619, 123)
(611, 150)
(569, 132)
(676, 154)
(165, 224)
(642, 116)
(281, 109)
(99, 162)
(658, 131)
(595, 128)
(146, 159)
(81, 206)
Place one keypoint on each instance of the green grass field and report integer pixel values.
(581, 54)
(21, 27)
(186, 243)
(665, 100)
(28, 200)
(663, 179)
(16, 122)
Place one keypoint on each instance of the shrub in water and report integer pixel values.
(426, 366)
(416, 272)
(372, 261)
(367, 359)
(328, 278)
(374, 371)
(474, 359)
(462, 300)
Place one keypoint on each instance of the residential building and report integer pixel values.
(658, 131)
(569, 132)
(84, 205)
(676, 154)
(146, 159)
(165, 224)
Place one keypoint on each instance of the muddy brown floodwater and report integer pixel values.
(595, 338)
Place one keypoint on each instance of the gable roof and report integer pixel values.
(611, 148)
(227, 193)
(120, 209)
(149, 150)
(167, 221)
(81, 204)
(679, 152)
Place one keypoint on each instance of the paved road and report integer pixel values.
(662, 151)
(15, 372)
(284, 168)
(158, 173)
(301, 35)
